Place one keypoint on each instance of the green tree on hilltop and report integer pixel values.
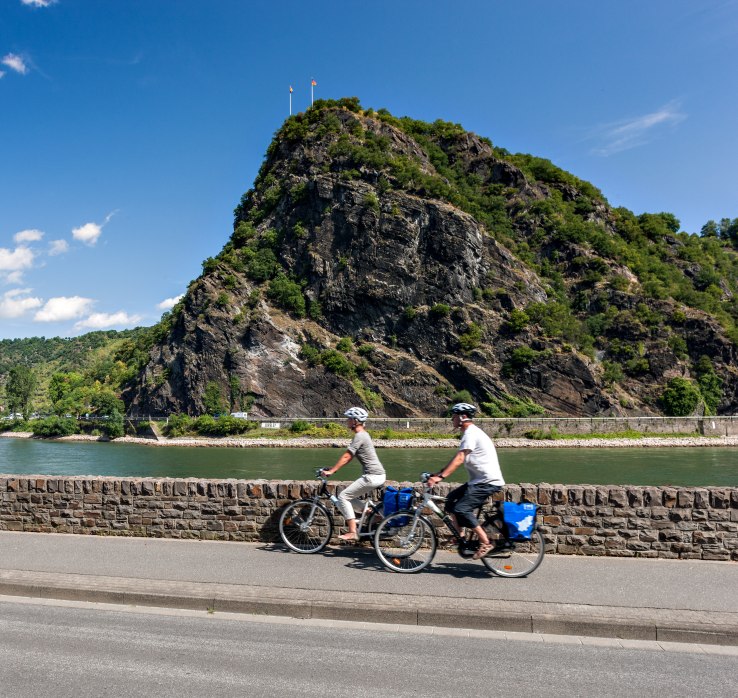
(20, 387)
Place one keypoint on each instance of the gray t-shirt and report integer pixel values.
(362, 447)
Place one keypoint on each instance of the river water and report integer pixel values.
(595, 466)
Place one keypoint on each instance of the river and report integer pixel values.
(632, 466)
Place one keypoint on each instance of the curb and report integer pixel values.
(696, 627)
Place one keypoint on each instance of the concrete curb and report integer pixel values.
(447, 612)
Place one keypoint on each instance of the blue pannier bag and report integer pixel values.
(397, 500)
(519, 519)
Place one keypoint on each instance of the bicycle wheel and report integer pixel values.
(518, 560)
(405, 543)
(305, 529)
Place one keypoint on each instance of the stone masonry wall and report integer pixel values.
(624, 521)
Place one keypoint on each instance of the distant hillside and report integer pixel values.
(401, 265)
(103, 356)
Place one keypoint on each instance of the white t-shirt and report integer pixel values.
(481, 461)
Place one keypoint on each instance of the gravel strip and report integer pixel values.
(646, 442)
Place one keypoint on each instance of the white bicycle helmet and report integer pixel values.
(357, 413)
(464, 408)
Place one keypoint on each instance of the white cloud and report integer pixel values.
(63, 308)
(630, 133)
(88, 233)
(13, 277)
(28, 236)
(99, 321)
(15, 303)
(13, 260)
(39, 3)
(169, 303)
(58, 247)
(15, 62)
(2, 74)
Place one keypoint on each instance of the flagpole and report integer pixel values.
(290, 101)
(312, 87)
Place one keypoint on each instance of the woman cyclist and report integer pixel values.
(373, 474)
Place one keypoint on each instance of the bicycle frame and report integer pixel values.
(465, 548)
(370, 506)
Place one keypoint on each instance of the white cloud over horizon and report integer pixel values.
(15, 62)
(100, 321)
(15, 260)
(618, 136)
(31, 235)
(39, 3)
(17, 302)
(169, 303)
(13, 277)
(57, 247)
(89, 233)
(63, 308)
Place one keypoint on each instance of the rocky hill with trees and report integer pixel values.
(400, 264)
(403, 265)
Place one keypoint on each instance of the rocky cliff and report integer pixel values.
(396, 264)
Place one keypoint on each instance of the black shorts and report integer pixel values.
(465, 500)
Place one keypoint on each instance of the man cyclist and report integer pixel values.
(478, 454)
(373, 474)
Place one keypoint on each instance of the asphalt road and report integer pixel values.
(64, 650)
(630, 583)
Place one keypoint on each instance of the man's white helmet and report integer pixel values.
(357, 413)
(464, 408)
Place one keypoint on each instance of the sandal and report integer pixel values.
(352, 537)
(483, 549)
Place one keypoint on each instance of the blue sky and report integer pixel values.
(129, 129)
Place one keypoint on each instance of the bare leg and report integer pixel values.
(351, 535)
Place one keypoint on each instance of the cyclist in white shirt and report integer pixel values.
(373, 474)
(478, 454)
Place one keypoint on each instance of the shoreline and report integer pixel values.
(451, 443)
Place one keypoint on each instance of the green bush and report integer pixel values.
(440, 310)
(178, 425)
(287, 294)
(612, 373)
(337, 363)
(114, 428)
(345, 344)
(522, 357)
(299, 426)
(680, 398)
(55, 426)
(517, 321)
(472, 338)
(223, 300)
(711, 385)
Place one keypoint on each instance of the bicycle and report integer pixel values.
(306, 526)
(406, 541)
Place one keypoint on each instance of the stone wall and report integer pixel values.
(512, 428)
(624, 521)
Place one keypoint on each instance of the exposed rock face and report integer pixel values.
(422, 289)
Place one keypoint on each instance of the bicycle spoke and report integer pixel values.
(305, 528)
(405, 543)
(518, 560)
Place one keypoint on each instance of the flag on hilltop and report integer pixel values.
(312, 85)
